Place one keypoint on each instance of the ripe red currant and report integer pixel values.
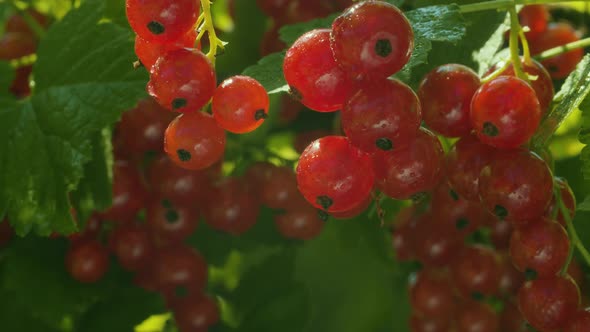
(162, 21)
(182, 80)
(434, 244)
(302, 223)
(194, 141)
(476, 316)
(333, 175)
(180, 267)
(431, 295)
(465, 161)
(382, 115)
(195, 313)
(536, 18)
(476, 272)
(170, 222)
(313, 75)
(149, 52)
(132, 246)
(372, 38)
(240, 104)
(505, 112)
(87, 261)
(129, 193)
(580, 322)
(14, 45)
(428, 324)
(558, 34)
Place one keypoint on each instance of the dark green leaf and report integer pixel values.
(585, 205)
(6, 77)
(269, 72)
(290, 33)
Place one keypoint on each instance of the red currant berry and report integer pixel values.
(313, 75)
(372, 38)
(382, 115)
(517, 186)
(355, 211)
(579, 323)
(180, 267)
(182, 80)
(476, 272)
(501, 231)
(465, 161)
(170, 222)
(558, 34)
(231, 207)
(403, 234)
(477, 317)
(510, 278)
(87, 262)
(536, 18)
(548, 304)
(541, 246)
(14, 45)
(428, 324)
(16, 22)
(434, 245)
(302, 223)
(461, 216)
(505, 112)
(20, 86)
(240, 104)
(410, 169)
(194, 141)
(271, 41)
(511, 319)
(132, 246)
(333, 175)
(195, 313)
(162, 21)
(129, 193)
(569, 200)
(431, 295)
(445, 94)
(149, 52)
(141, 129)
(280, 190)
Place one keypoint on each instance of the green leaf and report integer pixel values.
(16, 317)
(6, 77)
(269, 72)
(585, 205)
(290, 33)
(83, 83)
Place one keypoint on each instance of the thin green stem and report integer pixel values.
(514, 49)
(575, 242)
(504, 4)
(207, 26)
(552, 52)
(31, 22)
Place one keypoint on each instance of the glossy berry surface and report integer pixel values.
(549, 303)
(511, 318)
(454, 212)
(182, 80)
(431, 295)
(517, 186)
(149, 52)
(87, 262)
(162, 21)
(180, 266)
(445, 94)
(195, 313)
(303, 223)
(558, 34)
(541, 246)
(428, 324)
(580, 322)
(372, 39)
(129, 193)
(536, 18)
(433, 244)
(170, 222)
(477, 317)
(231, 207)
(313, 75)
(464, 163)
(132, 246)
(240, 104)
(410, 169)
(476, 272)
(382, 116)
(505, 112)
(194, 141)
(280, 191)
(333, 175)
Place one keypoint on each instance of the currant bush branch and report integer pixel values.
(205, 24)
(575, 242)
(505, 4)
(553, 52)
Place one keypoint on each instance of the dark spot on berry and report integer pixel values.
(384, 144)
(500, 212)
(323, 215)
(553, 69)
(295, 94)
(383, 48)
(260, 115)
(181, 291)
(418, 197)
(477, 296)
(324, 201)
(183, 155)
(454, 195)
(462, 223)
(489, 129)
(167, 204)
(156, 28)
(171, 216)
(530, 274)
(178, 103)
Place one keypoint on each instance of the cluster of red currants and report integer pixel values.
(543, 35)
(182, 79)
(20, 41)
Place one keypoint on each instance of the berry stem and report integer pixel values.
(504, 4)
(515, 30)
(575, 242)
(552, 52)
(31, 22)
(205, 24)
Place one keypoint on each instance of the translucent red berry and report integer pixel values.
(477, 317)
(163, 21)
(303, 223)
(372, 38)
(382, 115)
(558, 34)
(410, 169)
(170, 222)
(129, 193)
(149, 52)
(132, 246)
(445, 94)
(313, 75)
(431, 295)
(194, 141)
(580, 322)
(195, 313)
(182, 80)
(465, 161)
(87, 261)
(428, 324)
(333, 175)
(240, 104)
(476, 272)
(180, 266)
(505, 112)
(536, 18)
(433, 244)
